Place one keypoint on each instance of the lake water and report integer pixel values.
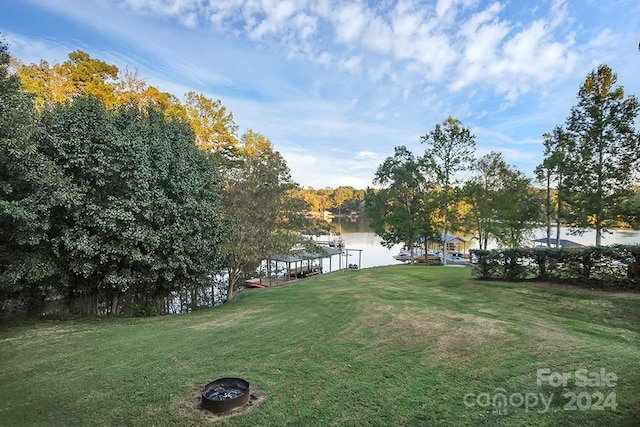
(357, 235)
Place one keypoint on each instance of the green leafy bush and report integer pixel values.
(616, 266)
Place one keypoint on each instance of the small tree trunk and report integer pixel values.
(194, 298)
(548, 209)
(233, 279)
(114, 304)
(444, 238)
(558, 209)
(445, 226)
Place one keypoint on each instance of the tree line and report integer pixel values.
(116, 197)
(340, 200)
(589, 179)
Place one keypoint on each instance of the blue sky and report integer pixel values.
(337, 84)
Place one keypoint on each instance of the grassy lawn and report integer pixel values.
(399, 345)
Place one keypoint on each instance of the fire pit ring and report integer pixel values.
(225, 394)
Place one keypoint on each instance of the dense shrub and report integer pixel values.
(101, 207)
(616, 266)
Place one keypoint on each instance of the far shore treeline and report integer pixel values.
(116, 197)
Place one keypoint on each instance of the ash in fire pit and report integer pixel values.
(225, 394)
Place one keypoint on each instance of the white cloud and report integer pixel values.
(367, 155)
(378, 36)
(352, 64)
(510, 57)
(291, 68)
(349, 21)
(465, 42)
(33, 51)
(277, 14)
(186, 11)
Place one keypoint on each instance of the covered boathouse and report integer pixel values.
(300, 264)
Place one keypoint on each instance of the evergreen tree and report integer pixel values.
(607, 151)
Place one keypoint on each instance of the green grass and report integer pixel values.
(398, 345)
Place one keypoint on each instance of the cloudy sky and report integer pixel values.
(336, 84)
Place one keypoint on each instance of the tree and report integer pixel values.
(400, 211)
(504, 206)
(29, 186)
(265, 217)
(450, 149)
(607, 150)
(147, 218)
(555, 167)
(481, 192)
(630, 209)
(312, 199)
(518, 209)
(83, 75)
(131, 89)
(79, 75)
(212, 125)
(89, 76)
(342, 195)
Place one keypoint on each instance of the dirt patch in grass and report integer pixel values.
(190, 407)
(442, 336)
(464, 330)
(48, 332)
(546, 337)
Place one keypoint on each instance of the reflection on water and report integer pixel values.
(631, 234)
(358, 235)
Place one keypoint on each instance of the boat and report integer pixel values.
(417, 255)
(405, 254)
(336, 242)
(433, 257)
(457, 260)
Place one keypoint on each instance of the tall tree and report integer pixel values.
(147, 219)
(555, 169)
(517, 207)
(399, 210)
(607, 150)
(504, 206)
(266, 218)
(450, 150)
(481, 191)
(30, 185)
(79, 75)
(83, 75)
(212, 125)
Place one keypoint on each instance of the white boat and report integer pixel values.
(456, 259)
(336, 242)
(406, 255)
